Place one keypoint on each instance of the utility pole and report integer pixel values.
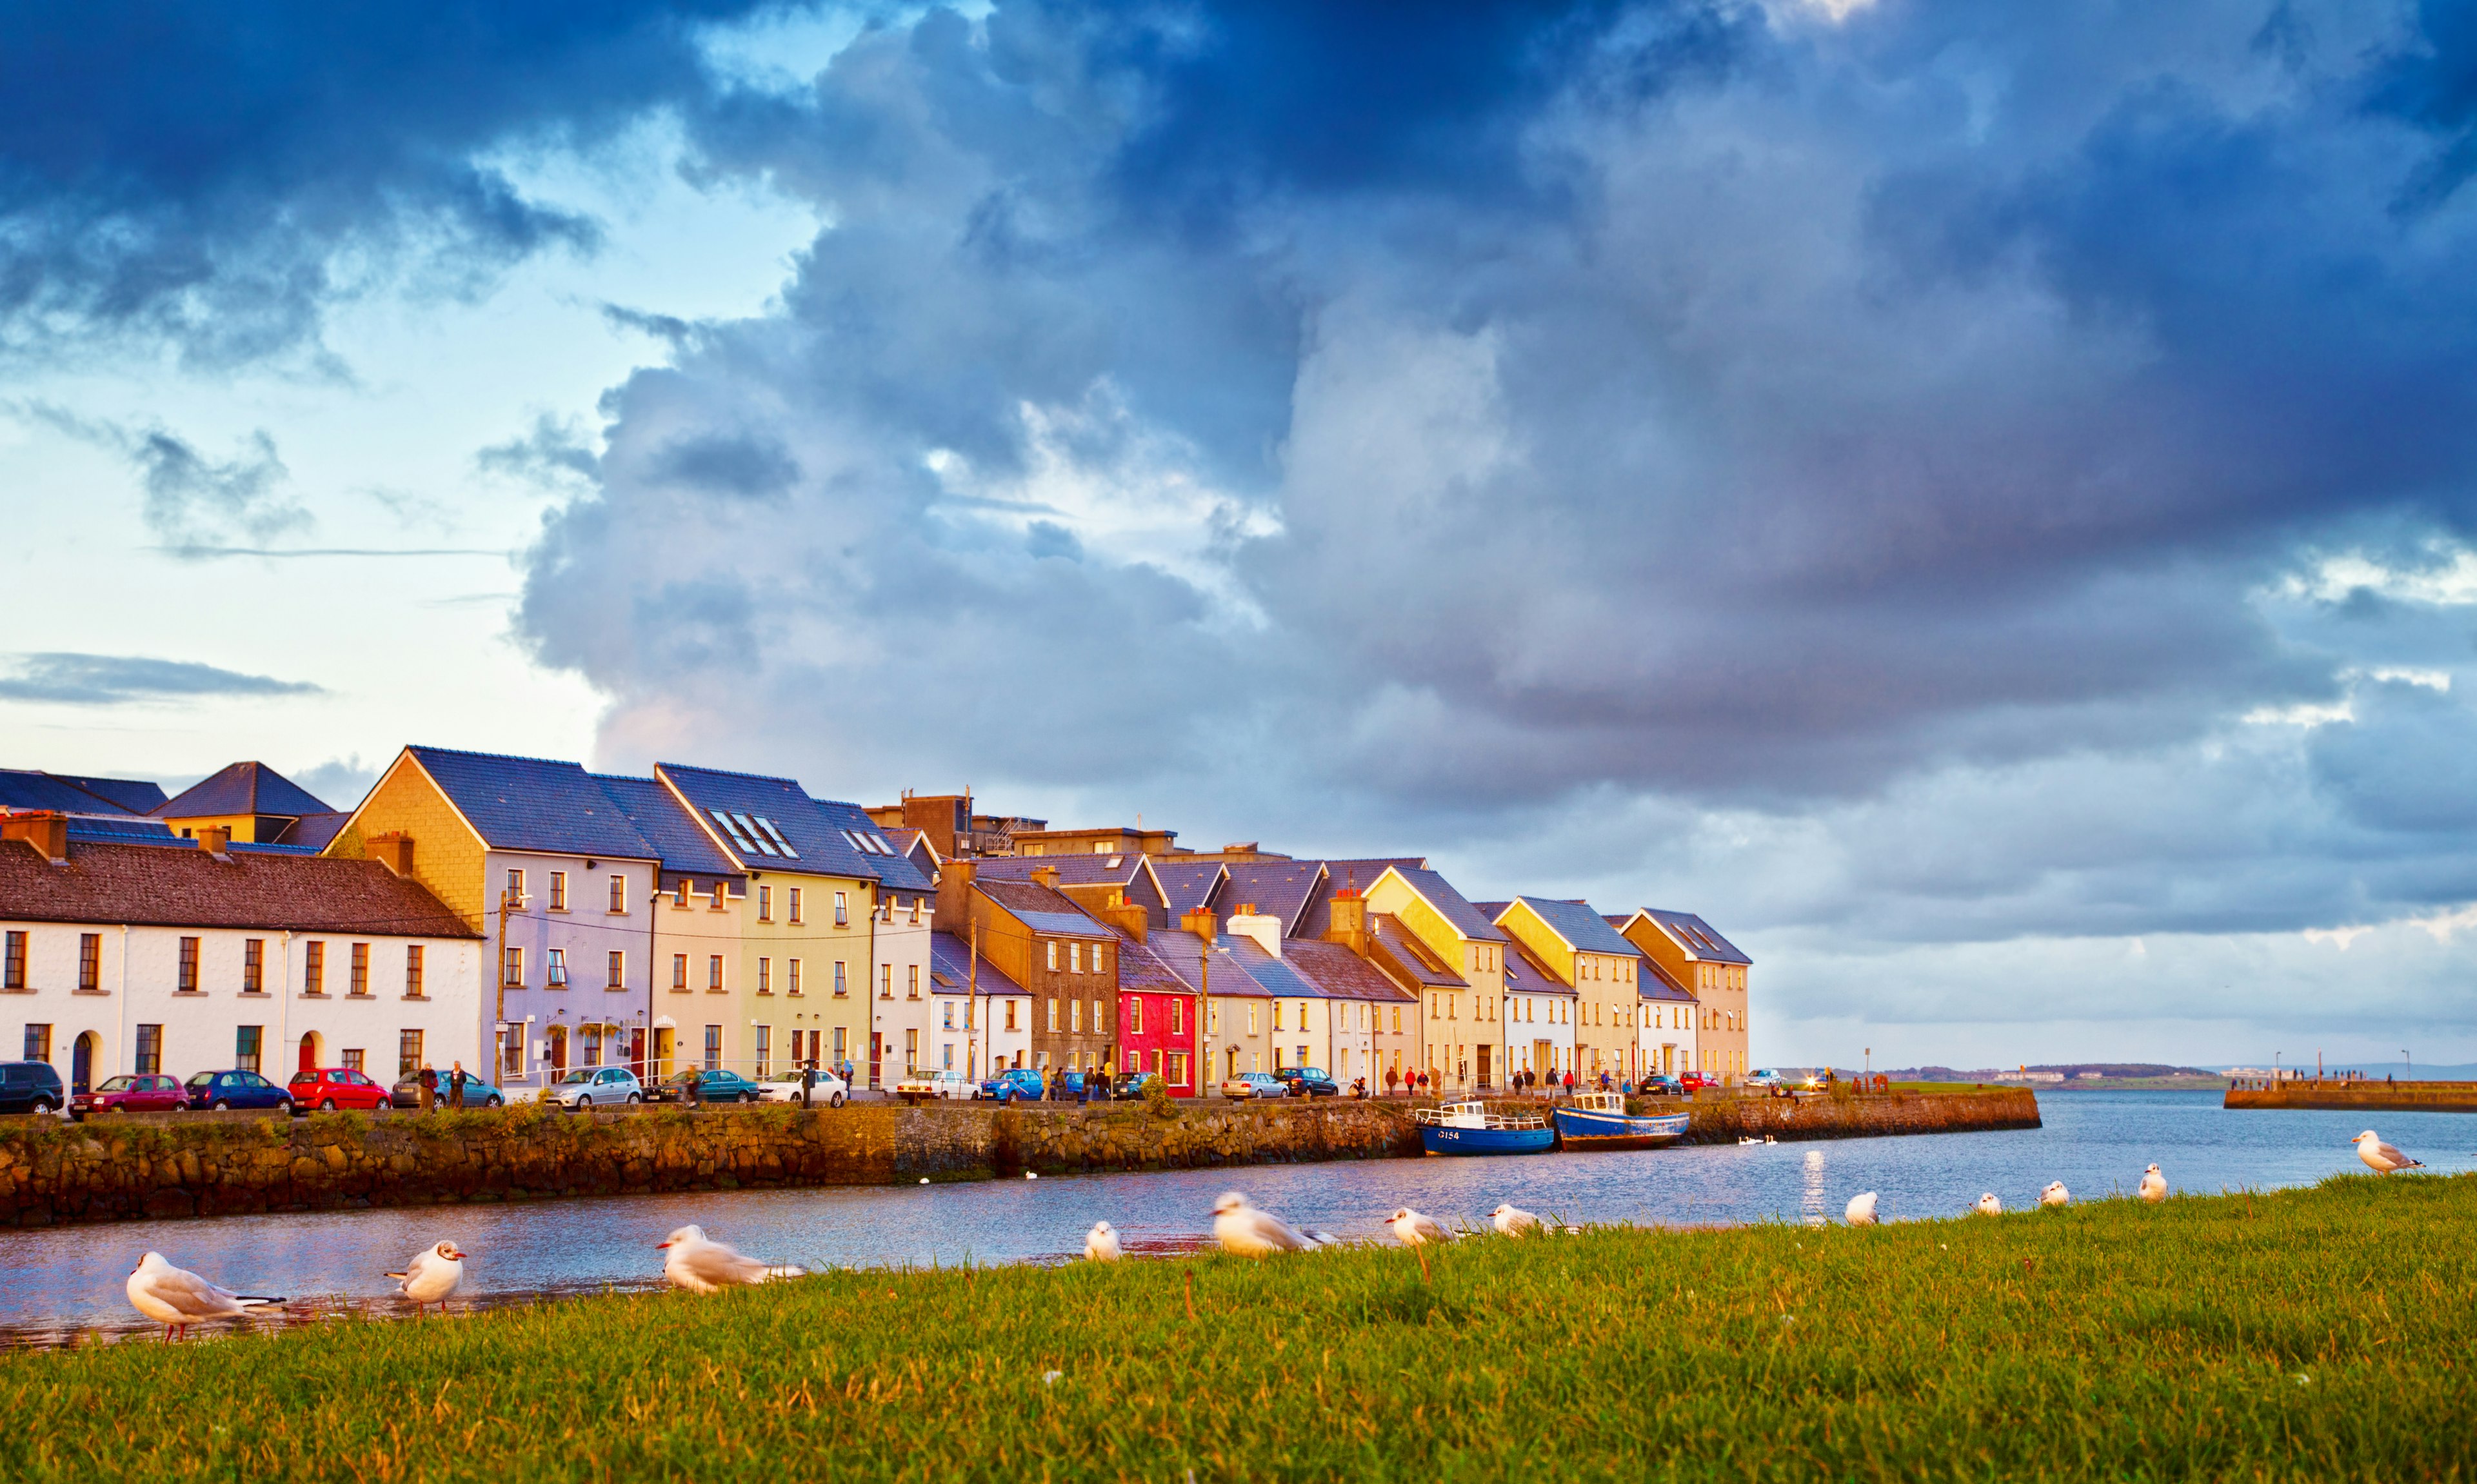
(972, 1004)
(499, 971)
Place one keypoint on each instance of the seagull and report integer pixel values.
(2154, 1185)
(1988, 1206)
(433, 1273)
(175, 1298)
(1862, 1209)
(1032, 1175)
(1242, 1228)
(1412, 1228)
(1768, 1139)
(1101, 1243)
(2379, 1158)
(1512, 1220)
(1745, 1138)
(703, 1266)
(2055, 1195)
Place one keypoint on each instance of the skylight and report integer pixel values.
(731, 827)
(776, 835)
(748, 831)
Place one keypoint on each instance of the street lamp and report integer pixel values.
(2407, 1069)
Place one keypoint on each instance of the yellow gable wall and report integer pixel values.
(446, 854)
(1542, 940)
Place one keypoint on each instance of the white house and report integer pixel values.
(190, 955)
(980, 1019)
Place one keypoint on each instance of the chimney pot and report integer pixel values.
(1201, 921)
(1045, 876)
(215, 840)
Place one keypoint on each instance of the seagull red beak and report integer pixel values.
(659, 1245)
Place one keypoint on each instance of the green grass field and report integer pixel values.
(2323, 1332)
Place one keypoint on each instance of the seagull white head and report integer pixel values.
(2367, 1137)
(152, 1261)
(1231, 1200)
(447, 1250)
(1101, 1227)
(1988, 1206)
(685, 1234)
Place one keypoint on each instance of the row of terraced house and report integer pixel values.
(530, 916)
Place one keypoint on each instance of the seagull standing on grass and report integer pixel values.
(2154, 1185)
(433, 1273)
(2055, 1195)
(175, 1298)
(1862, 1209)
(1988, 1206)
(1412, 1228)
(1243, 1228)
(702, 1265)
(1101, 1243)
(1512, 1220)
(2379, 1158)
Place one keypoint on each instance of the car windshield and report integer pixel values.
(202, 1079)
(1312, 1073)
(574, 1078)
(118, 1084)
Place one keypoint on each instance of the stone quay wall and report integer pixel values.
(179, 1165)
(2357, 1094)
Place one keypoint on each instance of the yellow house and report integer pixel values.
(256, 803)
(1597, 963)
(1462, 1031)
(1712, 968)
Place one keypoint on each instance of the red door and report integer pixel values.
(876, 1050)
(308, 1053)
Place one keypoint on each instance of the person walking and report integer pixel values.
(688, 1086)
(456, 1086)
(1393, 1080)
(429, 1088)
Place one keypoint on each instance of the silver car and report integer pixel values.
(829, 1090)
(589, 1087)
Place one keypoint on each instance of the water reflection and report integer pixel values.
(2096, 1142)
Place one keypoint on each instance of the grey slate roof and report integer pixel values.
(138, 796)
(896, 870)
(1525, 974)
(1357, 873)
(1188, 884)
(242, 789)
(1578, 924)
(1342, 974)
(27, 788)
(277, 890)
(1043, 909)
(1278, 976)
(664, 823)
(1279, 888)
(314, 831)
(1399, 950)
(745, 797)
(1183, 952)
(130, 830)
(534, 803)
(1696, 936)
(950, 968)
(1452, 906)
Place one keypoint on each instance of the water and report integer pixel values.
(65, 1279)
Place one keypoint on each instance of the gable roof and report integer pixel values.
(1188, 884)
(1279, 889)
(314, 831)
(1360, 874)
(1043, 909)
(1653, 982)
(1694, 935)
(1526, 974)
(1185, 955)
(950, 968)
(242, 788)
(734, 811)
(1142, 971)
(30, 788)
(1450, 905)
(276, 890)
(532, 804)
(1399, 950)
(138, 796)
(1584, 930)
(667, 824)
(1342, 974)
(1119, 869)
(895, 869)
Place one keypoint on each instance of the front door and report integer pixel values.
(876, 1051)
(81, 1063)
(1484, 1049)
(637, 1053)
(663, 1052)
(310, 1053)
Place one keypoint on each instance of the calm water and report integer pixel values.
(69, 1279)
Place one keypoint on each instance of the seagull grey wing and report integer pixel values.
(194, 1295)
(721, 1266)
(2398, 1160)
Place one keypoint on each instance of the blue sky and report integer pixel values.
(1974, 497)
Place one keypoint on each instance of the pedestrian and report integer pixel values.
(688, 1086)
(1393, 1080)
(456, 1087)
(808, 1080)
(1569, 1085)
(429, 1088)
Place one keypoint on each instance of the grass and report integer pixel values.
(2320, 1332)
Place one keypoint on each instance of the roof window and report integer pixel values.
(776, 835)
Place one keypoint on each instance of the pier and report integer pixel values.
(2352, 1092)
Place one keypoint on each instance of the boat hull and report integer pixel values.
(1439, 1139)
(1585, 1129)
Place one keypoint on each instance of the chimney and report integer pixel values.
(1266, 930)
(1201, 921)
(43, 829)
(955, 892)
(392, 850)
(215, 840)
(1128, 917)
(1349, 925)
(1045, 876)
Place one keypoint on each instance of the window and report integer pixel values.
(248, 1042)
(590, 1055)
(515, 889)
(840, 1046)
(714, 1047)
(680, 972)
(910, 1051)
(38, 1043)
(1397, 1022)
(1177, 1076)
(722, 895)
(412, 971)
(188, 981)
(90, 962)
(1074, 1016)
(792, 976)
(354, 1057)
(558, 891)
(555, 967)
(253, 966)
(150, 1048)
(408, 1052)
(511, 971)
(885, 981)
(1277, 1015)
(764, 1049)
(842, 911)
(795, 907)
(1075, 957)
(914, 972)
(1136, 1017)
(843, 978)
(1053, 957)
(1211, 1019)
(950, 1054)
(713, 973)
(1251, 1019)
(1096, 958)
(619, 969)
(680, 893)
(1100, 1026)
(1178, 1017)
(362, 967)
(1010, 1005)
(15, 971)
(950, 1015)
(619, 895)
(765, 975)
(314, 968)
(765, 903)
(1053, 1016)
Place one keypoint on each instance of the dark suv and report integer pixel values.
(31, 1087)
(1307, 1083)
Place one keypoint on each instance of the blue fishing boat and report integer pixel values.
(1470, 1128)
(1599, 1121)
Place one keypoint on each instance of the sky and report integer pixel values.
(1976, 499)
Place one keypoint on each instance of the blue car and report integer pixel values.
(221, 1090)
(1015, 1084)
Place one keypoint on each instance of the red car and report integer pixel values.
(1696, 1081)
(132, 1092)
(328, 1088)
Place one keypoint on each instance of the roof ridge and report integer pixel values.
(467, 752)
(734, 773)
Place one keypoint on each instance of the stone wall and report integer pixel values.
(1864, 1116)
(2362, 1095)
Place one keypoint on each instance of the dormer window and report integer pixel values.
(681, 893)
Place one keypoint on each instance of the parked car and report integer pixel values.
(1068, 1086)
(1765, 1079)
(1659, 1084)
(236, 1091)
(830, 1090)
(1015, 1084)
(131, 1091)
(1696, 1081)
(1254, 1084)
(31, 1087)
(334, 1087)
(716, 1084)
(589, 1087)
(938, 1084)
(1308, 1082)
(1130, 1084)
(478, 1091)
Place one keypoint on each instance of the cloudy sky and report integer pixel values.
(1975, 498)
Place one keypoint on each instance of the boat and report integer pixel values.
(1470, 1128)
(1599, 1121)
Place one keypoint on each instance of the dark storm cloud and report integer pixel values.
(110, 679)
(192, 172)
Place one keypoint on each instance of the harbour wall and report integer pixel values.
(181, 1165)
(2357, 1094)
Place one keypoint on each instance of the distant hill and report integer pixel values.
(2067, 1070)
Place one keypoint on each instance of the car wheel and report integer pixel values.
(283, 1105)
(494, 1103)
(635, 1098)
(326, 1105)
(223, 1105)
(837, 1101)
